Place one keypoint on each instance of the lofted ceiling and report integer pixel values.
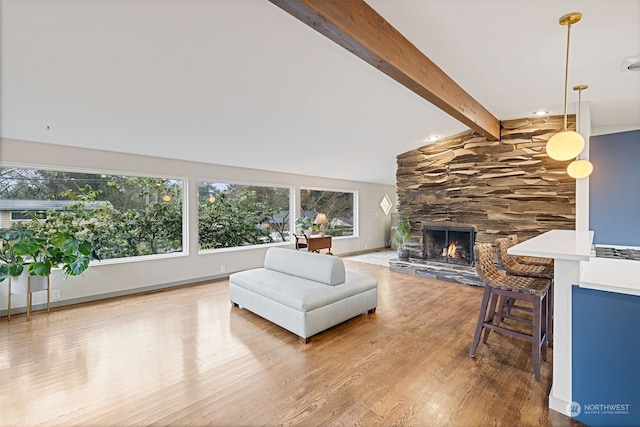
(243, 83)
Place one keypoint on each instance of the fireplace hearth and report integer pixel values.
(450, 245)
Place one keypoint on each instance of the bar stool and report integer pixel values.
(499, 284)
(530, 260)
(513, 267)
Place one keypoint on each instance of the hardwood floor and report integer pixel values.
(186, 357)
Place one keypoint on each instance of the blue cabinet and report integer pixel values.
(606, 358)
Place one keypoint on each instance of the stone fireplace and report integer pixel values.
(493, 188)
(499, 188)
(450, 245)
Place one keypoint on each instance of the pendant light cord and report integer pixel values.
(566, 75)
(579, 110)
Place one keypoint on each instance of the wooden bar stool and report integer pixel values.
(512, 266)
(499, 284)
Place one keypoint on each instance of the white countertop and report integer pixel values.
(612, 275)
(558, 244)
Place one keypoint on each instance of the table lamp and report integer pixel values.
(321, 220)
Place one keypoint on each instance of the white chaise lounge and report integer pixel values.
(303, 292)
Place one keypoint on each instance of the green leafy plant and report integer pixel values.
(401, 236)
(15, 244)
(25, 246)
(305, 223)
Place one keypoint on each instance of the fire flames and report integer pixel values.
(451, 250)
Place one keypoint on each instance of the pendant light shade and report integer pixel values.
(580, 169)
(565, 145)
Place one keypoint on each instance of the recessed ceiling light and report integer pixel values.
(433, 138)
(540, 113)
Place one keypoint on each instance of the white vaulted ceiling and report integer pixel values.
(243, 83)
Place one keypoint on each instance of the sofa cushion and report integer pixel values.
(301, 294)
(308, 265)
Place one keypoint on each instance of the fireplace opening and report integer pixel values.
(451, 245)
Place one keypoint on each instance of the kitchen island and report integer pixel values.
(568, 249)
(596, 336)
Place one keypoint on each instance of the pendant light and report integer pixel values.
(580, 168)
(567, 144)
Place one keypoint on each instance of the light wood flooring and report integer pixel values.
(186, 357)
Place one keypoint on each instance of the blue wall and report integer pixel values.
(614, 188)
(606, 368)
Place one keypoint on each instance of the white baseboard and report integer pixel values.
(559, 405)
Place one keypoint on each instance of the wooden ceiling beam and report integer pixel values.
(357, 27)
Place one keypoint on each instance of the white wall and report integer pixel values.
(582, 185)
(112, 278)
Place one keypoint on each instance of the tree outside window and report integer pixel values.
(337, 205)
(232, 215)
(123, 216)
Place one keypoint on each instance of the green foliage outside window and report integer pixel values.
(337, 205)
(231, 215)
(121, 216)
(126, 216)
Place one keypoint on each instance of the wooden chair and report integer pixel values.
(499, 284)
(302, 242)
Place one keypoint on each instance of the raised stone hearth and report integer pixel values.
(434, 270)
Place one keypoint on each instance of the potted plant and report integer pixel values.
(28, 254)
(402, 236)
(305, 225)
(24, 249)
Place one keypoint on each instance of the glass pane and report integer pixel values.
(459, 250)
(232, 215)
(337, 206)
(122, 215)
(436, 244)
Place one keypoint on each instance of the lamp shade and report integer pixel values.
(565, 145)
(321, 219)
(580, 169)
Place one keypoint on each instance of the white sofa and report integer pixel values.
(303, 292)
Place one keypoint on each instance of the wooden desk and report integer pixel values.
(315, 243)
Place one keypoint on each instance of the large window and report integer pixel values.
(338, 206)
(232, 215)
(123, 215)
